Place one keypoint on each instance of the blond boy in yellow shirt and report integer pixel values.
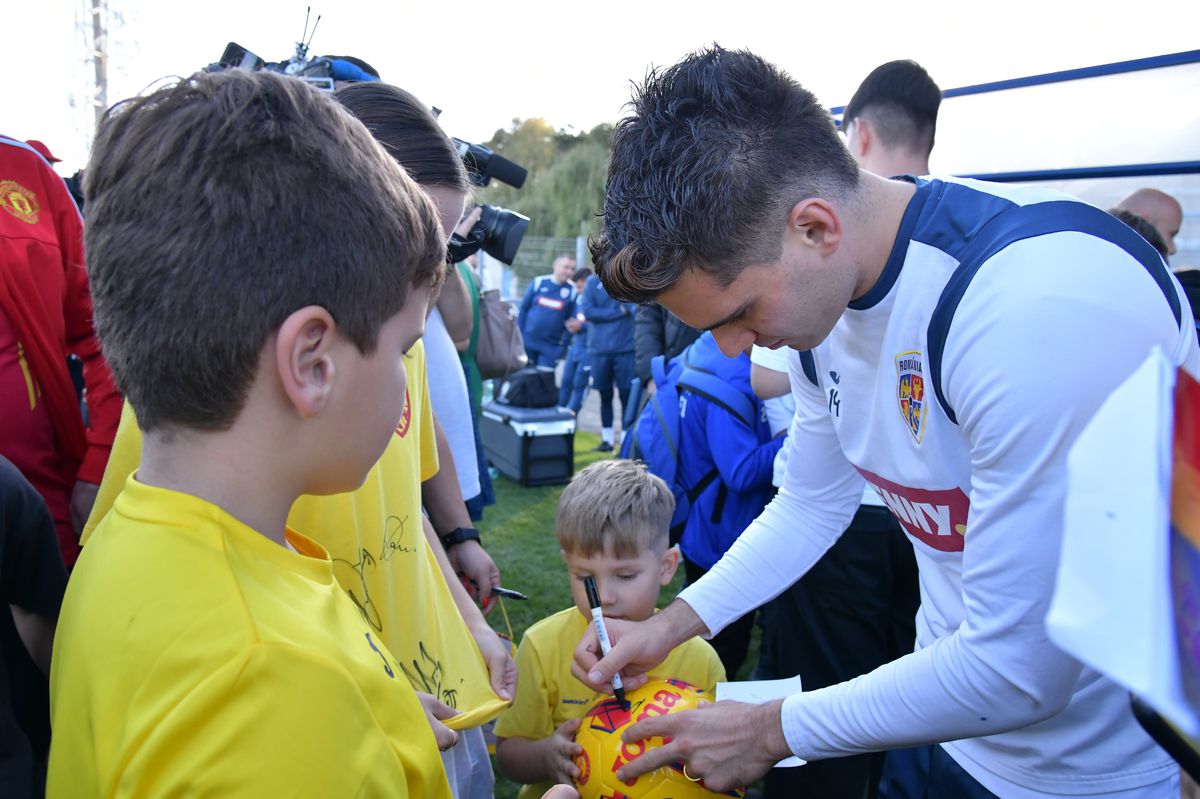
(612, 524)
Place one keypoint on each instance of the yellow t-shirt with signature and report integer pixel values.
(196, 657)
(374, 536)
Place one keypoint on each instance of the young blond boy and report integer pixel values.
(612, 525)
(204, 647)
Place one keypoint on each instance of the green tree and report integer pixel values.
(565, 189)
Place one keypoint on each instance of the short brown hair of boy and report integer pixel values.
(716, 151)
(219, 205)
(614, 506)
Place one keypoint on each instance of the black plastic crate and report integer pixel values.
(534, 446)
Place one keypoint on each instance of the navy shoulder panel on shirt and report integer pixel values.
(809, 366)
(1024, 222)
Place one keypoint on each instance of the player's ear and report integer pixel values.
(816, 223)
(304, 359)
(670, 562)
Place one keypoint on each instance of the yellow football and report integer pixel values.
(604, 752)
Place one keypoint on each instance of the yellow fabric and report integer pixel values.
(548, 695)
(380, 556)
(194, 657)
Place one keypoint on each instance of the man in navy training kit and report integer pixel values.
(610, 348)
(547, 305)
(577, 371)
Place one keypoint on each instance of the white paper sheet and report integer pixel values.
(759, 691)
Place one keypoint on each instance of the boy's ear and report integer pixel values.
(303, 356)
(670, 562)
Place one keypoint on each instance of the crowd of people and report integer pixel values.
(263, 488)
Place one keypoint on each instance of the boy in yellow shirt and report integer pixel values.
(385, 553)
(612, 524)
(204, 647)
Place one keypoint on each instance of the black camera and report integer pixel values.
(321, 72)
(498, 233)
(482, 165)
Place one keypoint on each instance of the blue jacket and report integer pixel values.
(545, 308)
(610, 322)
(579, 342)
(744, 456)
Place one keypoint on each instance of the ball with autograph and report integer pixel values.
(604, 752)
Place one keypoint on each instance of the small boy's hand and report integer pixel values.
(561, 751)
(435, 712)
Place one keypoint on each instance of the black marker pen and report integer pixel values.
(593, 596)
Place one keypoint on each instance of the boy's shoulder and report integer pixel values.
(565, 622)
(165, 555)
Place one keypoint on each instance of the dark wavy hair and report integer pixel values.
(717, 150)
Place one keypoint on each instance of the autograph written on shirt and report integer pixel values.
(426, 672)
(393, 541)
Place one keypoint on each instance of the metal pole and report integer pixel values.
(99, 59)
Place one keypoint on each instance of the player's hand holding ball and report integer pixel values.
(609, 743)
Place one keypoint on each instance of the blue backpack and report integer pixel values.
(654, 438)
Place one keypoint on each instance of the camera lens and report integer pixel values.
(502, 231)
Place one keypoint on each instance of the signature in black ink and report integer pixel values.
(426, 673)
(386, 666)
(393, 538)
(365, 605)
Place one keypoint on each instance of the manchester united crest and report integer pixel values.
(910, 392)
(19, 201)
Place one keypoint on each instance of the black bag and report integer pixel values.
(532, 387)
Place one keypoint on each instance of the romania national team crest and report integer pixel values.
(19, 201)
(910, 392)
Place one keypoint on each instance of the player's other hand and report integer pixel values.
(560, 753)
(561, 792)
(726, 744)
(436, 712)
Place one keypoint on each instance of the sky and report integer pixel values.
(485, 64)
